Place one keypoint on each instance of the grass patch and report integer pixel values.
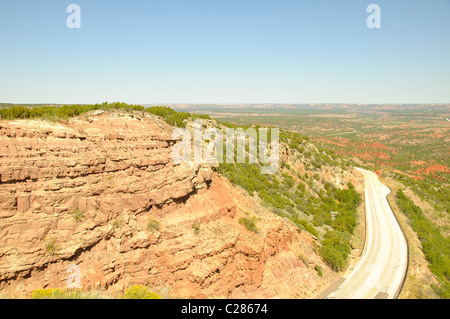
(134, 292)
(57, 293)
(196, 228)
(153, 225)
(249, 223)
(117, 224)
(78, 214)
(319, 270)
(139, 292)
(51, 245)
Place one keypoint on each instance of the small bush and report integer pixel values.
(319, 270)
(196, 228)
(335, 250)
(57, 293)
(117, 224)
(301, 187)
(51, 293)
(51, 245)
(304, 259)
(153, 225)
(139, 292)
(78, 214)
(249, 223)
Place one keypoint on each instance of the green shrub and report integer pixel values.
(57, 293)
(336, 243)
(78, 214)
(249, 223)
(51, 245)
(171, 116)
(201, 116)
(162, 111)
(319, 270)
(117, 224)
(139, 292)
(196, 228)
(335, 250)
(288, 181)
(335, 257)
(304, 224)
(51, 293)
(436, 247)
(153, 225)
(301, 187)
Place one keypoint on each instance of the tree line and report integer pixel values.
(171, 116)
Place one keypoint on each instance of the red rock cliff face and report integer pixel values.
(101, 192)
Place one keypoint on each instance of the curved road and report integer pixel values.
(382, 267)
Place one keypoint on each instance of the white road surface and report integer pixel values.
(381, 270)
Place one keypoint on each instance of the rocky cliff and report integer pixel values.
(100, 191)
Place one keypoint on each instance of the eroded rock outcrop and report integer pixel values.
(101, 191)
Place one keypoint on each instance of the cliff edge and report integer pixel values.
(100, 191)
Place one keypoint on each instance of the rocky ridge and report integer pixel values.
(101, 191)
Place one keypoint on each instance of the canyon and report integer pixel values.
(100, 191)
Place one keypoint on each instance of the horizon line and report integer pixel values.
(236, 103)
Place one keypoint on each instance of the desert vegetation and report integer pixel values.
(134, 292)
(408, 143)
(300, 200)
(249, 223)
(66, 111)
(305, 198)
(435, 246)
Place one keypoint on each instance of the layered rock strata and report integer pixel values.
(101, 192)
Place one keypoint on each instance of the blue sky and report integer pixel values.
(225, 51)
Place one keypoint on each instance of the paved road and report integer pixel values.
(382, 267)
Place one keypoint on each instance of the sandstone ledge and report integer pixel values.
(83, 192)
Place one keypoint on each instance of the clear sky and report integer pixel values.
(225, 51)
